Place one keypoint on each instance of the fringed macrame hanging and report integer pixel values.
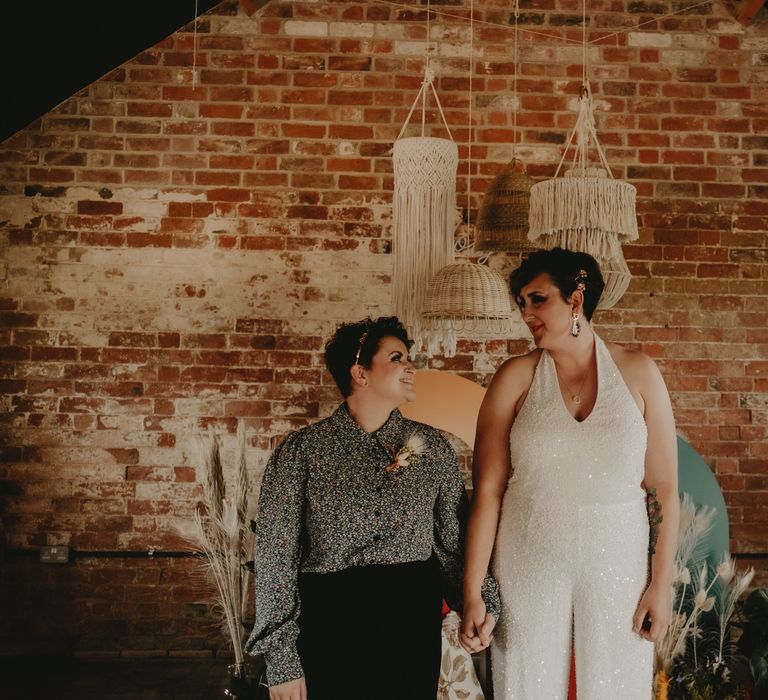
(607, 251)
(423, 207)
(588, 203)
(587, 209)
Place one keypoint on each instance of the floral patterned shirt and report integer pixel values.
(328, 502)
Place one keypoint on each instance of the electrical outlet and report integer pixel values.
(56, 554)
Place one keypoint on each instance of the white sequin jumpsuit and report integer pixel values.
(571, 554)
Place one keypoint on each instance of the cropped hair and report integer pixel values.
(564, 268)
(357, 343)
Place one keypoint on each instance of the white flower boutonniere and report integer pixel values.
(408, 453)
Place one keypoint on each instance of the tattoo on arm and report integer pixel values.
(655, 517)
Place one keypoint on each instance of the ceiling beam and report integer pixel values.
(748, 11)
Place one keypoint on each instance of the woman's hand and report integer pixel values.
(656, 603)
(476, 626)
(292, 690)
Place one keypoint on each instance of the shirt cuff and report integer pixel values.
(490, 594)
(283, 665)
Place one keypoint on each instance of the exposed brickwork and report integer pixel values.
(174, 255)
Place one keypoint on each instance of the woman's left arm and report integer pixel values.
(660, 484)
(450, 516)
(450, 513)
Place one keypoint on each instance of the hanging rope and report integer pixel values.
(427, 72)
(514, 82)
(583, 43)
(471, 99)
(194, 50)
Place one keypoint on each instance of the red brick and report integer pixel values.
(99, 207)
(233, 128)
(132, 339)
(10, 319)
(247, 408)
(51, 354)
(221, 111)
(228, 194)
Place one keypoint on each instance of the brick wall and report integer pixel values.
(174, 255)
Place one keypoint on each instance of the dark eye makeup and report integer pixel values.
(535, 298)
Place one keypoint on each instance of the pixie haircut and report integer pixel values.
(357, 343)
(563, 266)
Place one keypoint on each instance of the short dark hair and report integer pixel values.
(366, 335)
(563, 266)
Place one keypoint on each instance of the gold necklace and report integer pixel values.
(575, 397)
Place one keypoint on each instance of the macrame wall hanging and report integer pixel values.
(465, 297)
(502, 221)
(424, 210)
(587, 210)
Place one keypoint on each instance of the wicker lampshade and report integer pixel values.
(502, 222)
(466, 298)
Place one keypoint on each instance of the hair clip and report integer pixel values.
(360, 347)
(579, 279)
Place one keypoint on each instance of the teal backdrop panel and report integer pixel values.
(697, 479)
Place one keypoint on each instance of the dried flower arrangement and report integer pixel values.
(407, 454)
(697, 658)
(223, 537)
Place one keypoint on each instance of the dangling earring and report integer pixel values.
(575, 325)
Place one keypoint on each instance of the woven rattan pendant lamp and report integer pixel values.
(423, 209)
(502, 221)
(465, 297)
(468, 299)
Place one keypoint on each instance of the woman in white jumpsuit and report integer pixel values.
(572, 439)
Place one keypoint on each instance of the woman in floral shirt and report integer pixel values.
(359, 537)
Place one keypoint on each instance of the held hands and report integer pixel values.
(292, 690)
(476, 626)
(656, 606)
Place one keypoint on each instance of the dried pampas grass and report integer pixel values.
(695, 592)
(223, 536)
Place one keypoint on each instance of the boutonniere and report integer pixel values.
(407, 454)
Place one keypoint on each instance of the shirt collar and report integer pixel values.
(389, 435)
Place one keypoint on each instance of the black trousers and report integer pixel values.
(372, 632)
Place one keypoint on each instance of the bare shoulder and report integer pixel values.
(507, 391)
(510, 384)
(516, 371)
(639, 371)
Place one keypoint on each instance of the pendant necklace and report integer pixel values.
(575, 397)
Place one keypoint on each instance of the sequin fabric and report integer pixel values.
(571, 554)
(327, 502)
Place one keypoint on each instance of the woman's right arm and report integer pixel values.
(490, 472)
(277, 553)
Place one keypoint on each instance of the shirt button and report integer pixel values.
(378, 489)
(376, 538)
(377, 513)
